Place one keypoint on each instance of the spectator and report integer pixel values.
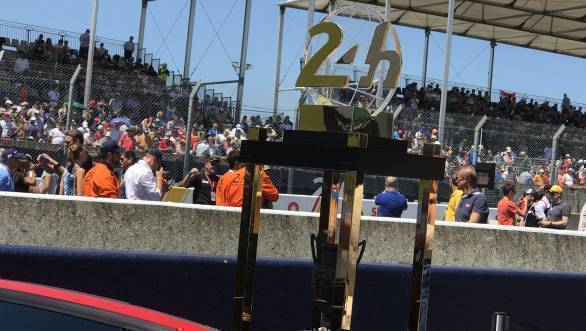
(213, 131)
(7, 126)
(163, 72)
(100, 180)
(127, 160)
(57, 136)
(568, 178)
(203, 148)
(538, 178)
(84, 44)
(101, 53)
(128, 49)
(204, 183)
(230, 189)
(8, 165)
(450, 214)
(48, 50)
(51, 174)
(525, 177)
(127, 139)
(558, 214)
(506, 208)
(391, 202)
(21, 64)
(25, 178)
(144, 180)
(73, 137)
(473, 207)
(565, 102)
(72, 179)
(39, 47)
(533, 198)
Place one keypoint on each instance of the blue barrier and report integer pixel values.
(200, 288)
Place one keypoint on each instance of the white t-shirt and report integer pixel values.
(52, 183)
(6, 126)
(568, 180)
(57, 137)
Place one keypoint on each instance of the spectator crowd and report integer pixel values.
(473, 102)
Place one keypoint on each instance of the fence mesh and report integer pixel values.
(150, 106)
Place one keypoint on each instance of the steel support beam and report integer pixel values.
(140, 45)
(243, 54)
(425, 56)
(490, 68)
(278, 62)
(90, 56)
(188, 44)
(444, 98)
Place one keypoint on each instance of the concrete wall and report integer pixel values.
(53, 221)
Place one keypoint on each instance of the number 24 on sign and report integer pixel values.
(308, 76)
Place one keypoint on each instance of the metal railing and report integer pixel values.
(16, 33)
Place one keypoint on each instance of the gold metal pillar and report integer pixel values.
(325, 250)
(348, 241)
(248, 240)
(328, 216)
(424, 231)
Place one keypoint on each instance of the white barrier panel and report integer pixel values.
(311, 203)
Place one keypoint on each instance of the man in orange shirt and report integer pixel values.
(230, 188)
(100, 181)
(507, 209)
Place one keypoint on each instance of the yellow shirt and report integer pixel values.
(538, 180)
(452, 205)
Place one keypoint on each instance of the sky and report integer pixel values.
(515, 69)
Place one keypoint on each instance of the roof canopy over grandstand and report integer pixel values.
(557, 26)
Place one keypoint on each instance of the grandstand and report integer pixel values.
(147, 96)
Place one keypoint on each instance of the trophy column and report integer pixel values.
(423, 248)
(248, 239)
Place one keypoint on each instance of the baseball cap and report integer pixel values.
(556, 189)
(110, 146)
(157, 153)
(11, 153)
(211, 160)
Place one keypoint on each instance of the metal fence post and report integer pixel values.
(187, 156)
(72, 82)
(1, 54)
(554, 144)
(396, 114)
(476, 135)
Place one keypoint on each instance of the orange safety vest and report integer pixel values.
(230, 189)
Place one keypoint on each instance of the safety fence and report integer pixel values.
(140, 99)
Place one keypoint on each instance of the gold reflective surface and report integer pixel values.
(377, 54)
(308, 76)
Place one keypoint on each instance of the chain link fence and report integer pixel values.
(150, 107)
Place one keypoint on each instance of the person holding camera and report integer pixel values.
(204, 183)
(145, 180)
(507, 209)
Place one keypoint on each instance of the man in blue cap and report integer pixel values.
(8, 164)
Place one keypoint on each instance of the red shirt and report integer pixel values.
(126, 142)
(506, 211)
